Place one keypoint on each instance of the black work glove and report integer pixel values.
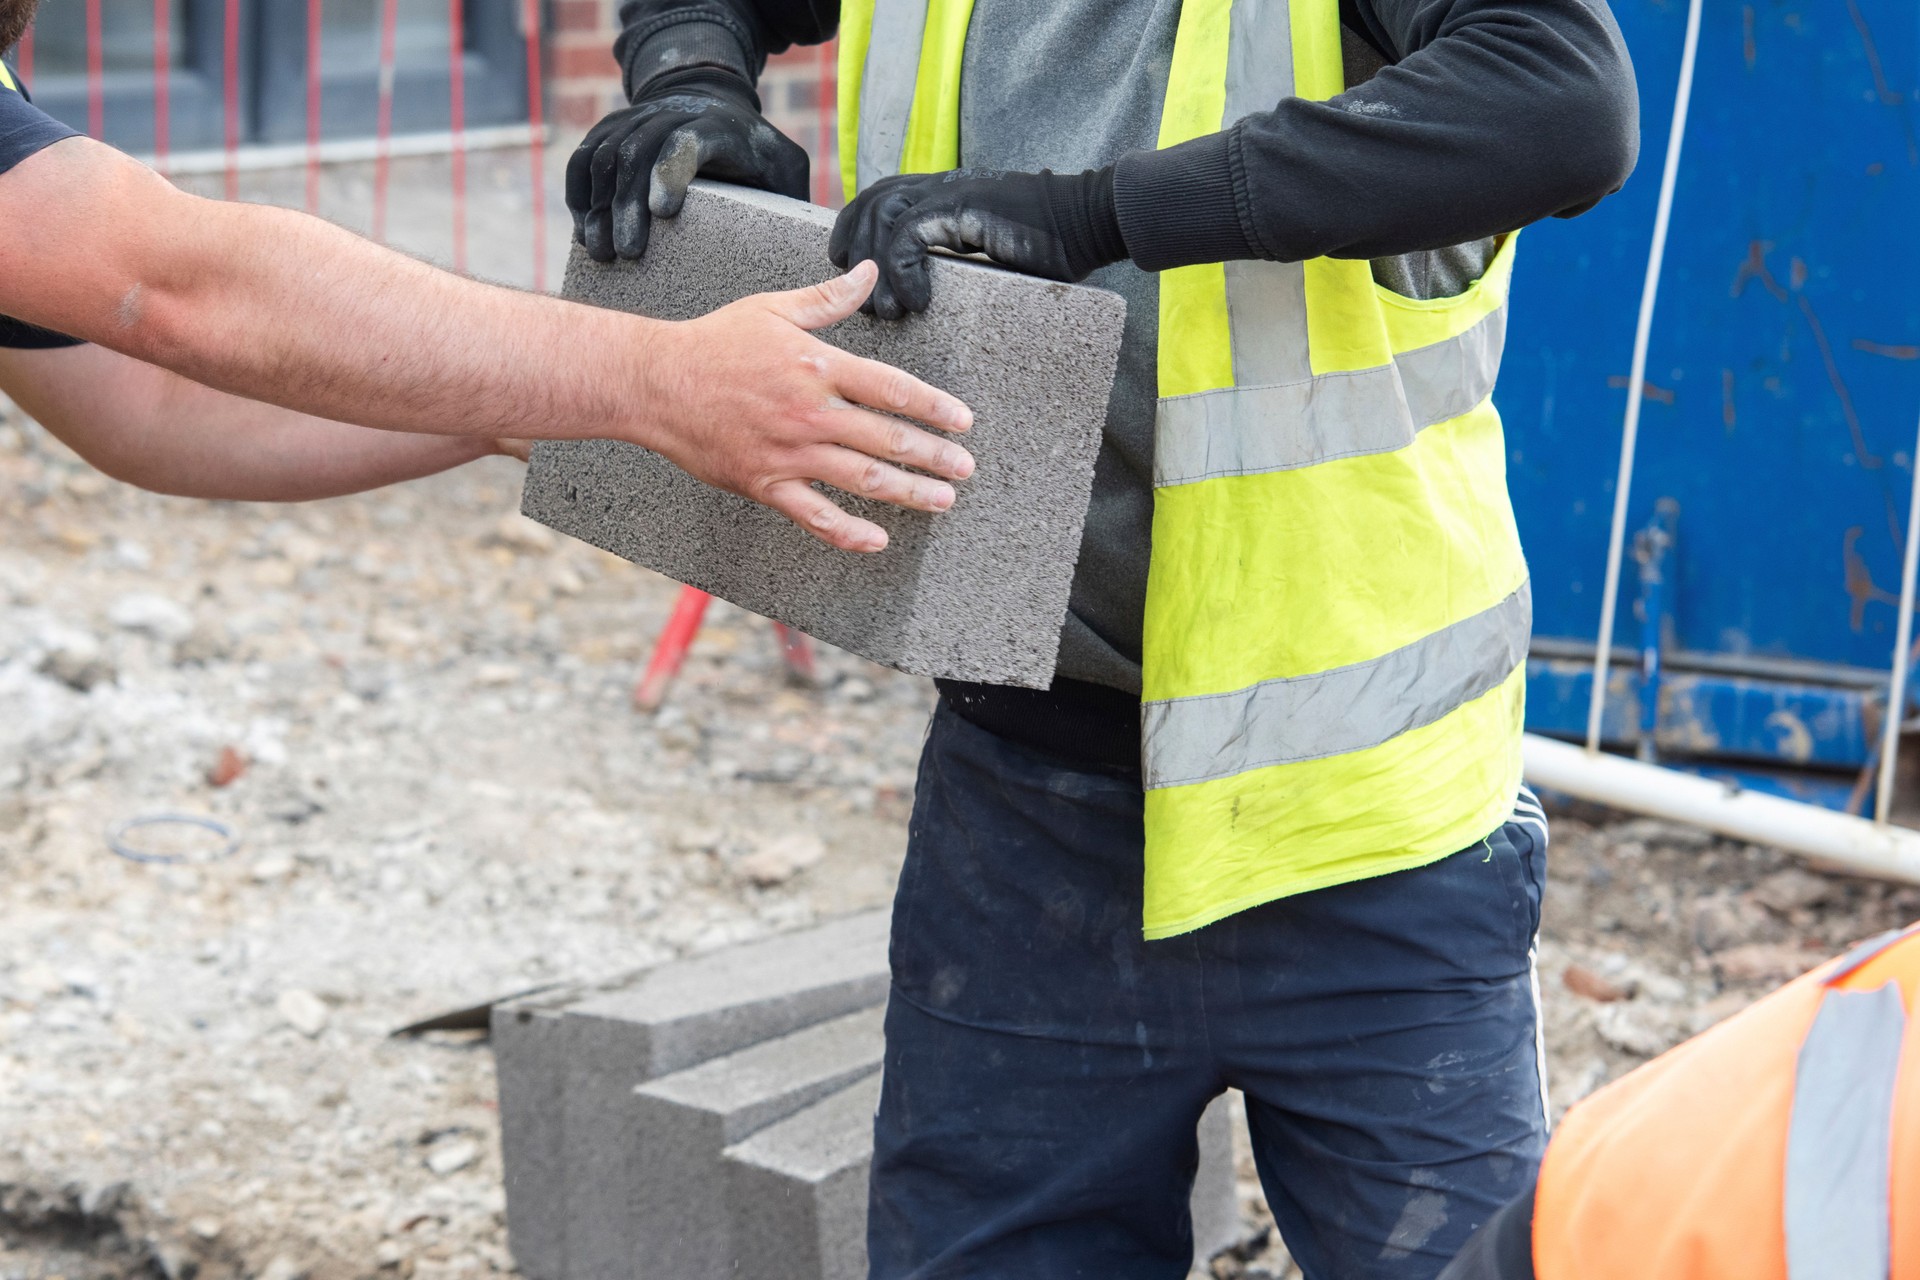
(635, 165)
(1059, 226)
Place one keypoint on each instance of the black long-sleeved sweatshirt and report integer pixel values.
(1468, 119)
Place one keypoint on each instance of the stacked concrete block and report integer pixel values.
(674, 1017)
(682, 1221)
(568, 1063)
(978, 592)
(798, 1190)
(531, 1064)
(713, 1116)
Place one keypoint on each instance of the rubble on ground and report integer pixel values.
(445, 797)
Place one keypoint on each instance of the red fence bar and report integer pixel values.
(230, 96)
(313, 105)
(530, 19)
(457, 102)
(96, 74)
(162, 80)
(383, 128)
(24, 56)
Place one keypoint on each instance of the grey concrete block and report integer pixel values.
(679, 1227)
(530, 1064)
(798, 1191)
(1215, 1203)
(978, 592)
(673, 1017)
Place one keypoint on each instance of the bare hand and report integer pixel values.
(749, 402)
(508, 447)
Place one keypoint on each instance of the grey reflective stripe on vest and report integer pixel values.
(886, 87)
(1346, 709)
(1266, 301)
(1840, 1138)
(1246, 430)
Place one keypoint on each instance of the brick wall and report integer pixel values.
(584, 83)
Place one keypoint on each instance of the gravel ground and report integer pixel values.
(412, 708)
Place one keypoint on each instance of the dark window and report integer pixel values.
(272, 66)
(59, 73)
(493, 60)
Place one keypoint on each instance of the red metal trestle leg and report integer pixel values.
(672, 648)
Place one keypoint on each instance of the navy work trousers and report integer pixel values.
(1046, 1066)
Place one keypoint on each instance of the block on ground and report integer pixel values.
(675, 1016)
(978, 592)
(530, 1064)
(798, 1191)
(679, 1227)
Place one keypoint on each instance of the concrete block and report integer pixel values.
(676, 1016)
(978, 592)
(1215, 1203)
(679, 1227)
(530, 1062)
(797, 1191)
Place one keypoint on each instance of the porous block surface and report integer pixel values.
(978, 592)
(679, 1226)
(530, 1065)
(675, 1016)
(798, 1191)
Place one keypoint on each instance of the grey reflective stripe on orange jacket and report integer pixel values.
(1840, 1138)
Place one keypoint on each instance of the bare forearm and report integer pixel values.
(281, 308)
(387, 341)
(315, 459)
(274, 306)
(157, 430)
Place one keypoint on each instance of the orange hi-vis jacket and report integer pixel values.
(1784, 1144)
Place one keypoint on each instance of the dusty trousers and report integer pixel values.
(1046, 1066)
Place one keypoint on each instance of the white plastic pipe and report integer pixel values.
(1637, 377)
(1858, 845)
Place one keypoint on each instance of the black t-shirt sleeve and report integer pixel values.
(24, 130)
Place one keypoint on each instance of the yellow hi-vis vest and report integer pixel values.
(1337, 607)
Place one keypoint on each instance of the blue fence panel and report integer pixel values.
(1784, 371)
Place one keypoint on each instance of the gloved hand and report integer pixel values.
(1059, 226)
(635, 165)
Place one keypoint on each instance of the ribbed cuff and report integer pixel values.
(702, 81)
(1082, 206)
(1178, 207)
(680, 52)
